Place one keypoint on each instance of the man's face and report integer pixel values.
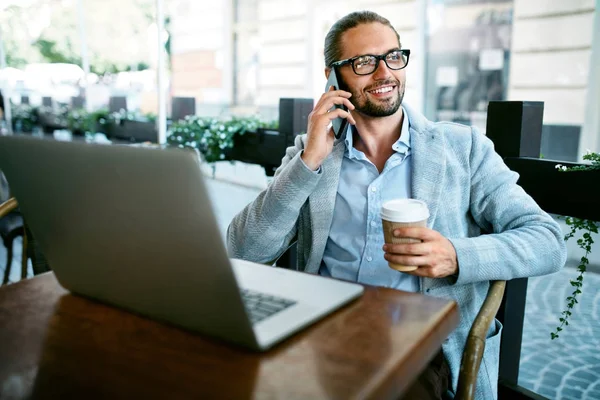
(370, 93)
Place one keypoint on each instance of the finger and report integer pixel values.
(328, 105)
(415, 249)
(329, 94)
(329, 129)
(419, 233)
(339, 113)
(425, 272)
(336, 92)
(419, 261)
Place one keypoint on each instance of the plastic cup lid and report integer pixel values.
(404, 210)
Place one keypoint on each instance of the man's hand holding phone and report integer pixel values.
(320, 135)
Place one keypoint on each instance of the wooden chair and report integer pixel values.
(11, 227)
(30, 249)
(473, 352)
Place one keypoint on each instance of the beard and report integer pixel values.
(374, 107)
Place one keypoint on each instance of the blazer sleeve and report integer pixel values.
(523, 240)
(265, 228)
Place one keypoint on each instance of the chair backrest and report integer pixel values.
(38, 261)
(515, 127)
(182, 107)
(78, 102)
(117, 103)
(47, 101)
(4, 193)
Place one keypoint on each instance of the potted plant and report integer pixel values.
(219, 139)
(584, 229)
(133, 126)
(52, 118)
(24, 117)
(79, 122)
(100, 120)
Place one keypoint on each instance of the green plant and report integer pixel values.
(123, 115)
(150, 117)
(50, 52)
(213, 136)
(84, 121)
(586, 228)
(24, 117)
(55, 116)
(79, 120)
(100, 117)
(270, 125)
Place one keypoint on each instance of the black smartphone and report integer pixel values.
(340, 125)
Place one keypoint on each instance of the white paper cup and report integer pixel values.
(402, 213)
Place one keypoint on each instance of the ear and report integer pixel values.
(327, 72)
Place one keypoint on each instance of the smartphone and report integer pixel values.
(340, 125)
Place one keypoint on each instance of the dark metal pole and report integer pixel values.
(515, 127)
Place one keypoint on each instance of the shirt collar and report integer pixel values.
(402, 145)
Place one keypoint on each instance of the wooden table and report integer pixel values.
(60, 346)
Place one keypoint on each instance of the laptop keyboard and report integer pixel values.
(261, 305)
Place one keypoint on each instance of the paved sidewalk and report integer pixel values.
(565, 368)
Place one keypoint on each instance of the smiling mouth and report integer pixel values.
(382, 90)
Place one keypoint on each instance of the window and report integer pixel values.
(468, 58)
(245, 52)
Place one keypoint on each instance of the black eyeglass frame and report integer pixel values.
(405, 52)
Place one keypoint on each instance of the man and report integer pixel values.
(327, 195)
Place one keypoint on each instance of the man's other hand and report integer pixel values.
(435, 255)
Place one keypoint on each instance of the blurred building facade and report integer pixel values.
(464, 53)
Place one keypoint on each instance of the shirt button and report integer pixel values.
(373, 224)
(369, 258)
(373, 189)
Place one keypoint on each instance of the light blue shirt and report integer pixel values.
(354, 247)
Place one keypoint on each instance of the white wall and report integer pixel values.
(292, 34)
(201, 50)
(591, 128)
(550, 56)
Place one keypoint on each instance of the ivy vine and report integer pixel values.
(585, 241)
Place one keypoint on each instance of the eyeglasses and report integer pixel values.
(367, 64)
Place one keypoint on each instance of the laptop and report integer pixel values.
(133, 227)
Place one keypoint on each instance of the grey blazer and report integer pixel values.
(498, 231)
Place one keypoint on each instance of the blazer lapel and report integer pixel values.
(321, 204)
(428, 167)
(428, 170)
